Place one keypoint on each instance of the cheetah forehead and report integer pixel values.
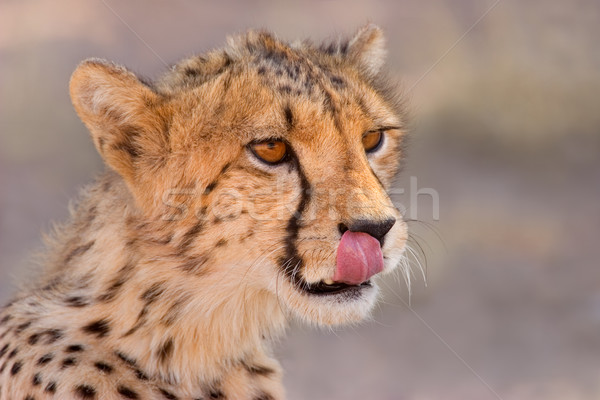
(300, 68)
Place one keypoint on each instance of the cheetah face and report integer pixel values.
(269, 162)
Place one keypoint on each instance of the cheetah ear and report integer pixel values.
(367, 49)
(117, 108)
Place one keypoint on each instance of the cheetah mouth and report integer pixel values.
(327, 289)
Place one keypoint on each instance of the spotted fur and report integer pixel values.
(184, 260)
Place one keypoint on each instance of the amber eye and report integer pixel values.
(372, 140)
(270, 151)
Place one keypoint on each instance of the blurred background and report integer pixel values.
(506, 104)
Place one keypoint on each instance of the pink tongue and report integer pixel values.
(359, 257)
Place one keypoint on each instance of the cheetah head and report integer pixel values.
(268, 162)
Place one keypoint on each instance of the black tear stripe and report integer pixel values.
(292, 261)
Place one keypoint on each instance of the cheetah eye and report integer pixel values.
(270, 151)
(372, 140)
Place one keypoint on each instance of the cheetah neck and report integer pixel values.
(121, 277)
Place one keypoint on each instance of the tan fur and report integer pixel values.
(185, 257)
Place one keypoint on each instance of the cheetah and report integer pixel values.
(246, 187)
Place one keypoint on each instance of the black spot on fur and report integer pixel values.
(29, 397)
(165, 351)
(262, 71)
(153, 293)
(16, 368)
(74, 348)
(247, 236)
(140, 375)
(174, 311)
(117, 283)
(127, 393)
(3, 350)
(103, 367)
(45, 359)
(337, 81)
(226, 63)
(277, 57)
(344, 47)
(100, 328)
(101, 143)
(258, 369)
(330, 49)
(5, 319)
(167, 395)
(191, 72)
(37, 379)
(191, 234)
(77, 302)
(202, 211)
(328, 103)
(221, 243)
(33, 339)
(129, 144)
(112, 290)
(22, 327)
(77, 251)
(52, 335)
(264, 396)
(141, 320)
(50, 387)
(210, 187)
(193, 264)
(85, 392)
(133, 364)
(225, 168)
(91, 214)
(52, 284)
(289, 117)
(13, 353)
(126, 359)
(216, 394)
(68, 362)
(287, 89)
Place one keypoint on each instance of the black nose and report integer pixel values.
(375, 228)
